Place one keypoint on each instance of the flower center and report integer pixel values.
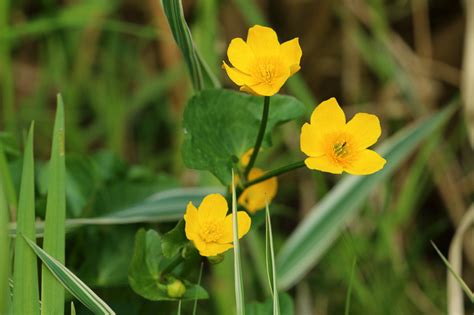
(266, 70)
(210, 231)
(340, 148)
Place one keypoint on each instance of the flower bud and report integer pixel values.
(176, 289)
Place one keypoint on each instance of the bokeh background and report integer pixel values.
(125, 86)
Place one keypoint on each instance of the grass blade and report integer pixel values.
(238, 279)
(325, 221)
(73, 309)
(270, 252)
(54, 230)
(7, 182)
(25, 278)
(201, 76)
(4, 252)
(71, 282)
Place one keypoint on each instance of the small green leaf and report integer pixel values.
(174, 240)
(286, 306)
(221, 125)
(144, 273)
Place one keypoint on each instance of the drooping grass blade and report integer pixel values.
(71, 282)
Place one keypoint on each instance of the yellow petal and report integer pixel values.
(213, 207)
(191, 222)
(328, 116)
(240, 55)
(214, 249)
(291, 53)
(244, 223)
(311, 141)
(365, 129)
(263, 41)
(323, 163)
(257, 196)
(200, 244)
(365, 162)
(238, 77)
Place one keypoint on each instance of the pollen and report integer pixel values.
(210, 231)
(340, 149)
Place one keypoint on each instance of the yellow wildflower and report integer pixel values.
(209, 228)
(262, 65)
(257, 196)
(334, 146)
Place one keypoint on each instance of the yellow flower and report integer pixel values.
(262, 65)
(334, 146)
(209, 228)
(257, 196)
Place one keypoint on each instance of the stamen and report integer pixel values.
(340, 149)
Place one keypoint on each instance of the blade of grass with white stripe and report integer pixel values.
(238, 279)
(326, 220)
(25, 277)
(54, 230)
(270, 257)
(71, 282)
(201, 75)
(73, 309)
(4, 253)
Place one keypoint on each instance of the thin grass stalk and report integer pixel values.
(269, 247)
(4, 253)
(199, 283)
(349, 290)
(55, 227)
(238, 279)
(25, 277)
(7, 182)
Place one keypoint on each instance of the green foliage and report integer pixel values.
(323, 224)
(266, 308)
(146, 270)
(201, 75)
(174, 241)
(221, 125)
(54, 231)
(72, 283)
(25, 278)
(4, 252)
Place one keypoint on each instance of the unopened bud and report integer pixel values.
(176, 289)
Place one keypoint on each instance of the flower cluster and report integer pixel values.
(260, 66)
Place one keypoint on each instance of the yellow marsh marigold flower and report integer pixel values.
(262, 65)
(334, 146)
(257, 196)
(209, 228)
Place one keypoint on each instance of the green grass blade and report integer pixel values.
(73, 309)
(25, 278)
(238, 279)
(7, 181)
(201, 76)
(461, 282)
(325, 221)
(71, 282)
(4, 253)
(270, 252)
(349, 290)
(54, 230)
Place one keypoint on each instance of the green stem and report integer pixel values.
(261, 133)
(275, 172)
(175, 262)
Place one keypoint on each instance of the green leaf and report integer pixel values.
(201, 76)
(324, 222)
(6, 179)
(25, 291)
(144, 273)
(70, 281)
(54, 231)
(221, 125)
(174, 240)
(286, 306)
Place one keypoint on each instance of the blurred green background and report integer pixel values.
(125, 86)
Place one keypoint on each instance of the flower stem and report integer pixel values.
(261, 133)
(275, 172)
